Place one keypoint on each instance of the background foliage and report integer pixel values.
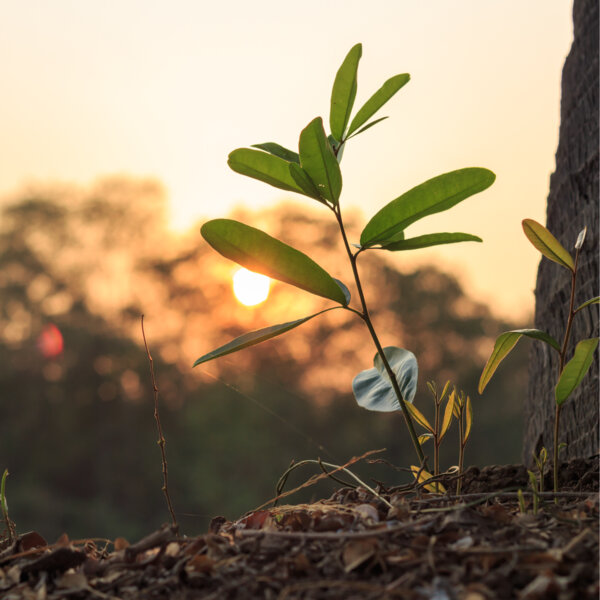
(77, 431)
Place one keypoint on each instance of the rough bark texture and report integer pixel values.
(572, 204)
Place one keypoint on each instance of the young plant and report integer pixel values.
(314, 172)
(438, 430)
(571, 373)
(540, 462)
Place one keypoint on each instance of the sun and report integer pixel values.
(250, 288)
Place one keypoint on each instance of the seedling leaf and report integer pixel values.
(547, 244)
(377, 100)
(433, 196)
(256, 337)
(422, 475)
(319, 161)
(419, 417)
(447, 420)
(344, 93)
(259, 252)
(580, 239)
(469, 418)
(431, 239)
(265, 167)
(280, 151)
(595, 300)
(574, 371)
(372, 388)
(504, 344)
(424, 437)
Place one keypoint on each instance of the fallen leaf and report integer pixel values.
(356, 552)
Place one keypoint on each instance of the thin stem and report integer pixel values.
(436, 438)
(161, 437)
(367, 319)
(563, 356)
(461, 449)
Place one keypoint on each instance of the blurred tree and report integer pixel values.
(78, 267)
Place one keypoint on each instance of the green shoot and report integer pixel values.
(572, 372)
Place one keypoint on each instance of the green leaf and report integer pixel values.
(377, 100)
(433, 196)
(344, 93)
(595, 300)
(265, 167)
(574, 371)
(264, 254)
(430, 239)
(373, 389)
(504, 344)
(319, 161)
(547, 244)
(305, 183)
(368, 126)
(280, 151)
(345, 290)
(256, 337)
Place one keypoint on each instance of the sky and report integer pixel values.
(167, 89)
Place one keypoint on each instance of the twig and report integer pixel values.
(161, 437)
(316, 478)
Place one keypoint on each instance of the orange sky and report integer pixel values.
(168, 89)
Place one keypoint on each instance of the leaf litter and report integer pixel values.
(477, 546)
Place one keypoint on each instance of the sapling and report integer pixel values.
(314, 172)
(570, 373)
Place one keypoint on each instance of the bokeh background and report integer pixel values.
(116, 123)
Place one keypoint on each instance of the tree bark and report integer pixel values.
(572, 204)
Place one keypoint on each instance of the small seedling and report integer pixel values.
(314, 172)
(438, 430)
(571, 373)
(540, 462)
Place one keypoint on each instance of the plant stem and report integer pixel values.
(563, 356)
(436, 438)
(461, 449)
(367, 319)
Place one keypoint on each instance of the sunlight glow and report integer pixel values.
(250, 288)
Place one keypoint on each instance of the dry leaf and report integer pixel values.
(356, 552)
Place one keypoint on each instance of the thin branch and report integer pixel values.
(161, 437)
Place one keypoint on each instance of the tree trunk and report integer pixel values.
(572, 204)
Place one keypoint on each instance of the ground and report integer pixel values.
(485, 544)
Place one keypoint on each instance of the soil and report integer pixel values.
(405, 543)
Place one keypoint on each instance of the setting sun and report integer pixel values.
(250, 288)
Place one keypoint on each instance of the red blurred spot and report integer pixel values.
(50, 341)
